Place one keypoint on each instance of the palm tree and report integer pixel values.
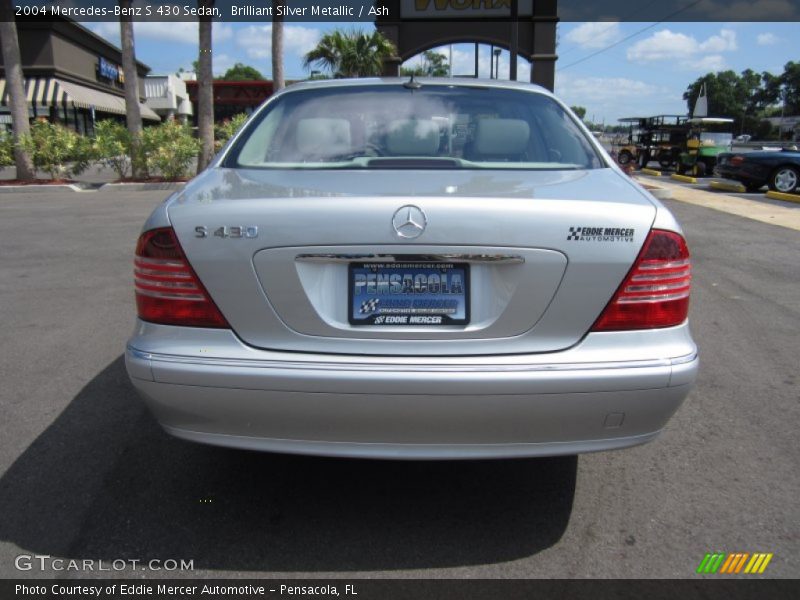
(278, 82)
(205, 92)
(17, 101)
(352, 53)
(133, 115)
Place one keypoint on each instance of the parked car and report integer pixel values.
(779, 170)
(745, 137)
(432, 268)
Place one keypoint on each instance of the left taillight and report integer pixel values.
(167, 289)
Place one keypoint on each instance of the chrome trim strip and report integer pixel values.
(682, 360)
(411, 450)
(138, 353)
(404, 367)
(497, 259)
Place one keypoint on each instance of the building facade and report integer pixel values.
(788, 127)
(167, 97)
(72, 76)
(233, 97)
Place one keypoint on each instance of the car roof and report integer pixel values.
(465, 82)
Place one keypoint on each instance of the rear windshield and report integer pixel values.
(436, 126)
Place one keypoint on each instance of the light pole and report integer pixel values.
(784, 93)
(497, 52)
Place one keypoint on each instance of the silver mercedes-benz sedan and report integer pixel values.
(432, 269)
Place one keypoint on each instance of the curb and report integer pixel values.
(47, 189)
(728, 186)
(782, 196)
(655, 190)
(661, 193)
(652, 172)
(683, 178)
(143, 187)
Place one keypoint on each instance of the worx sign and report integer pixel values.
(462, 8)
(524, 28)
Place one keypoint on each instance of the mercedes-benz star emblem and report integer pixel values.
(409, 221)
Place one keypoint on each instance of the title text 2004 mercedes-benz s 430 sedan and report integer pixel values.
(413, 269)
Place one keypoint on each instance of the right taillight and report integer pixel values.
(167, 289)
(655, 292)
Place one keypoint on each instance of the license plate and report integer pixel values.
(414, 294)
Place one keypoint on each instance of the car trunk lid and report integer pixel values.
(545, 252)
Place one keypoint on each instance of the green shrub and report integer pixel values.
(56, 150)
(225, 130)
(6, 149)
(169, 149)
(112, 147)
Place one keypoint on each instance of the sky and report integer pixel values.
(612, 69)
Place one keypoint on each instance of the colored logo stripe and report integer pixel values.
(724, 563)
(735, 562)
(758, 563)
(711, 562)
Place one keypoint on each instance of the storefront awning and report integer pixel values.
(44, 92)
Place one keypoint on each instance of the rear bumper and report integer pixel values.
(387, 407)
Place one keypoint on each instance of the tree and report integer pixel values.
(790, 81)
(724, 94)
(747, 89)
(580, 111)
(747, 98)
(433, 65)
(352, 53)
(205, 91)
(729, 95)
(242, 72)
(278, 82)
(133, 115)
(17, 101)
(770, 92)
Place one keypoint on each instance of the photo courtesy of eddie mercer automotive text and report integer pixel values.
(413, 268)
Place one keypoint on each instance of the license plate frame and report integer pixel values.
(427, 309)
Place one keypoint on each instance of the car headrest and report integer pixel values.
(323, 136)
(413, 137)
(501, 137)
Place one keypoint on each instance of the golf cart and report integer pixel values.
(658, 138)
(707, 137)
(629, 150)
(666, 138)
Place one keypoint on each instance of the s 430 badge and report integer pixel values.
(232, 231)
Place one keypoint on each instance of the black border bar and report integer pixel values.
(440, 11)
(707, 588)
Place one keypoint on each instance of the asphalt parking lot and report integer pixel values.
(87, 473)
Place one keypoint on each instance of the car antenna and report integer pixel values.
(412, 84)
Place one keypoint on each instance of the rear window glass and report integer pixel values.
(436, 126)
